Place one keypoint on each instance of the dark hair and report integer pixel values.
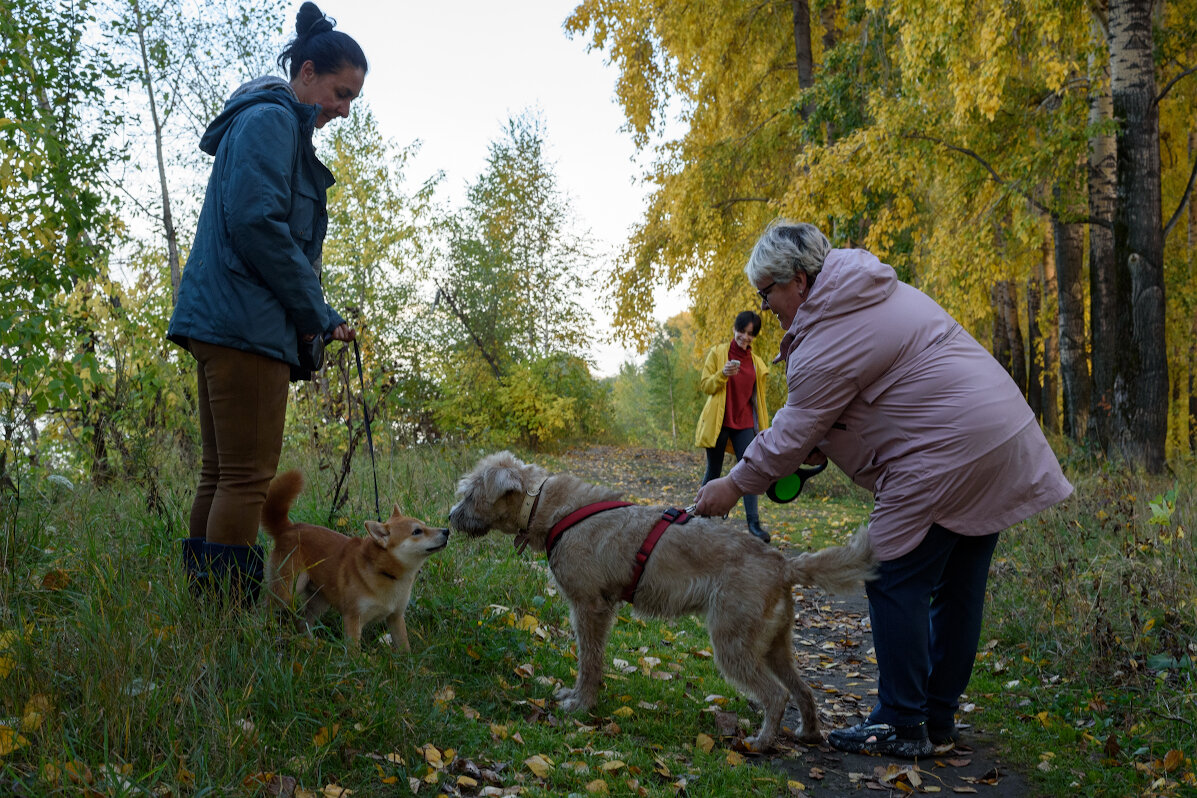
(746, 319)
(316, 41)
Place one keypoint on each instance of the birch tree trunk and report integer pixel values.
(1051, 337)
(1193, 282)
(1104, 318)
(1141, 403)
(1074, 367)
(1034, 347)
(1001, 337)
(1018, 350)
(802, 51)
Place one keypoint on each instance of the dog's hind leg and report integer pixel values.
(592, 625)
(740, 647)
(780, 659)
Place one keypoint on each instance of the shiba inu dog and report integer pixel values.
(363, 578)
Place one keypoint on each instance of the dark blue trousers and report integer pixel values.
(926, 609)
(740, 438)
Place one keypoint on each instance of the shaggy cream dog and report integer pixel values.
(702, 566)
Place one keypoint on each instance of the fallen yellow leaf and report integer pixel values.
(78, 772)
(623, 712)
(326, 735)
(734, 758)
(432, 755)
(539, 765)
(10, 741)
(6, 666)
(50, 773)
(705, 743)
(1173, 760)
(467, 782)
(598, 787)
(613, 765)
(36, 709)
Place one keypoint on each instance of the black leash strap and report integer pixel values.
(357, 354)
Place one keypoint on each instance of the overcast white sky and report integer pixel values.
(451, 73)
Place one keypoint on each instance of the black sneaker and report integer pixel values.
(943, 739)
(908, 742)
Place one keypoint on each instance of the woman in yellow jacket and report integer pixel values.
(733, 378)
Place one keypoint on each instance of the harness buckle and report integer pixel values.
(676, 516)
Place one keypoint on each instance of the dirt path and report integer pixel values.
(833, 644)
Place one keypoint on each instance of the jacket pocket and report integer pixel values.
(302, 220)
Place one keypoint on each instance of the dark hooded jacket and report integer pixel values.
(252, 280)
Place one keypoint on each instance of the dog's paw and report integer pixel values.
(759, 743)
(570, 700)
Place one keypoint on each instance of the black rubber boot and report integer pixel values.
(754, 526)
(237, 569)
(195, 563)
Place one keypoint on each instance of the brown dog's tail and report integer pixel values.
(279, 498)
(836, 569)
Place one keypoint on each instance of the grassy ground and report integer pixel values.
(115, 681)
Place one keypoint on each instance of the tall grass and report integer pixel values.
(1093, 607)
(114, 678)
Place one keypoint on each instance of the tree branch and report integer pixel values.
(1183, 200)
(444, 292)
(1172, 83)
(1003, 182)
(727, 203)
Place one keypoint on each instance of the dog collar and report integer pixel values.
(531, 500)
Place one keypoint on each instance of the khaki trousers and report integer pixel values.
(242, 409)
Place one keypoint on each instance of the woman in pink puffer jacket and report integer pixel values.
(896, 393)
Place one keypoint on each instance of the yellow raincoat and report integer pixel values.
(714, 384)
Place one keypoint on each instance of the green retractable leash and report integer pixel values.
(786, 489)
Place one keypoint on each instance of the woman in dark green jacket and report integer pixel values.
(251, 289)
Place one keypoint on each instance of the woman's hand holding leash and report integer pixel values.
(717, 497)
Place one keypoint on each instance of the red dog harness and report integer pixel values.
(671, 516)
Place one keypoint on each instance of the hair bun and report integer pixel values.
(311, 20)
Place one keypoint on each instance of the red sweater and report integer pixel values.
(738, 414)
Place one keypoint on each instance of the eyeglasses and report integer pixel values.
(763, 293)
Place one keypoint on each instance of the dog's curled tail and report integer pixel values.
(279, 498)
(836, 569)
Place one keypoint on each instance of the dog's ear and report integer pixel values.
(378, 533)
(395, 512)
(504, 479)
